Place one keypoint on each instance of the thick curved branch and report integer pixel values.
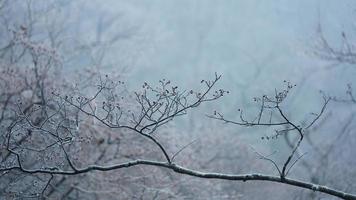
(182, 170)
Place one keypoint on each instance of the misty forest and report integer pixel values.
(188, 99)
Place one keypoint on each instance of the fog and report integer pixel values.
(304, 48)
